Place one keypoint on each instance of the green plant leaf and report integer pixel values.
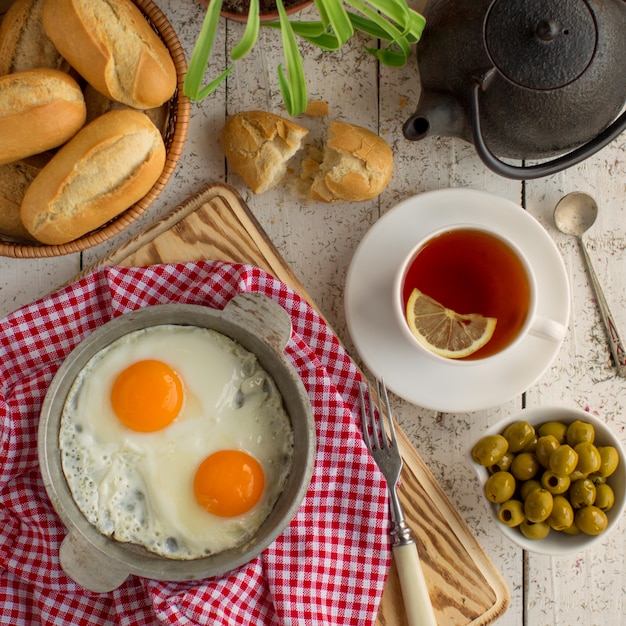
(201, 52)
(367, 26)
(334, 15)
(250, 34)
(293, 84)
(393, 16)
(398, 16)
(397, 12)
(388, 56)
(410, 21)
(393, 34)
(314, 32)
(417, 24)
(334, 29)
(214, 84)
(312, 29)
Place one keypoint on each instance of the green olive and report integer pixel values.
(511, 513)
(527, 486)
(605, 497)
(500, 487)
(549, 477)
(582, 493)
(591, 520)
(489, 450)
(538, 505)
(519, 435)
(503, 464)
(555, 483)
(577, 475)
(546, 445)
(534, 530)
(557, 429)
(572, 530)
(563, 460)
(579, 431)
(524, 466)
(562, 515)
(530, 447)
(597, 478)
(609, 460)
(588, 457)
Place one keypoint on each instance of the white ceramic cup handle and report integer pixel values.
(419, 609)
(547, 329)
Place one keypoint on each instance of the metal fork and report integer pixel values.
(384, 449)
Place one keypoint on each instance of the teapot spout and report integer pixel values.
(438, 114)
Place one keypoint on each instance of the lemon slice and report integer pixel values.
(445, 332)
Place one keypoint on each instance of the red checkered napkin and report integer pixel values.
(327, 568)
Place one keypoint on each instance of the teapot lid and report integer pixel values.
(540, 45)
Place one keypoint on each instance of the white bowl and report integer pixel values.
(558, 543)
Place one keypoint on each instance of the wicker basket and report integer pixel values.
(174, 136)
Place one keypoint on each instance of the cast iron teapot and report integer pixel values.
(523, 79)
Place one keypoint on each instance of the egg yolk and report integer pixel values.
(229, 483)
(147, 396)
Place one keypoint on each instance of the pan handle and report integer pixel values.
(90, 568)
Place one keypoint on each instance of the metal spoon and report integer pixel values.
(574, 214)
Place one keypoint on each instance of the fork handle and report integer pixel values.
(419, 609)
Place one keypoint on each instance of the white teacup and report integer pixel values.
(478, 269)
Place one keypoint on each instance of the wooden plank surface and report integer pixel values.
(464, 585)
(319, 240)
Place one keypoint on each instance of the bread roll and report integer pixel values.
(258, 144)
(112, 46)
(357, 165)
(39, 109)
(15, 179)
(24, 44)
(108, 166)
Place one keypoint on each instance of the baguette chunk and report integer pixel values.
(107, 167)
(39, 109)
(112, 46)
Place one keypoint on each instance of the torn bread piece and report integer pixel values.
(258, 145)
(357, 165)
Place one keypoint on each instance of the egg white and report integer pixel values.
(138, 487)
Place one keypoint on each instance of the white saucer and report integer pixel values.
(379, 341)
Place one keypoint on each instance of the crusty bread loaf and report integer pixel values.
(258, 145)
(39, 109)
(112, 46)
(108, 166)
(357, 165)
(24, 44)
(15, 179)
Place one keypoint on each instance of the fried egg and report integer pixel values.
(176, 439)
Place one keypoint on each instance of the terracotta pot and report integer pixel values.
(265, 17)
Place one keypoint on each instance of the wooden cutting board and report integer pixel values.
(464, 585)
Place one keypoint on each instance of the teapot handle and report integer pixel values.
(528, 172)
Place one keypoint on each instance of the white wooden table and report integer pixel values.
(318, 241)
